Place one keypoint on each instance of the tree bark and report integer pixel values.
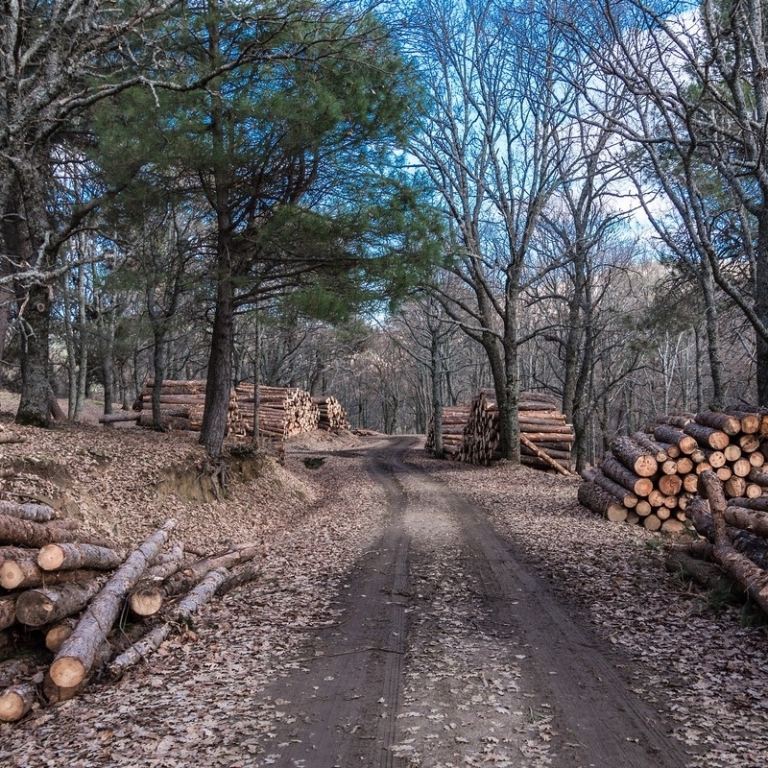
(44, 605)
(67, 557)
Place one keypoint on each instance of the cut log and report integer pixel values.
(16, 701)
(599, 501)
(651, 523)
(544, 457)
(672, 526)
(186, 579)
(112, 418)
(7, 611)
(634, 457)
(706, 436)
(628, 499)
(753, 491)
(732, 452)
(684, 465)
(44, 605)
(731, 425)
(756, 459)
(55, 694)
(747, 519)
(666, 433)
(691, 483)
(14, 530)
(183, 610)
(71, 556)
(752, 578)
(613, 468)
(37, 513)
(657, 450)
(74, 661)
(670, 485)
(735, 486)
(58, 633)
(749, 443)
(760, 503)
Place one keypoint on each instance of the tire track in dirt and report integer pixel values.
(341, 706)
(488, 640)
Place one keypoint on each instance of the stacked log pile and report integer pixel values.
(331, 413)
(454, 420)
(735, 533)
(59, 587)
(182, 404)
(283, 411)
(653, 476)
(546, 439)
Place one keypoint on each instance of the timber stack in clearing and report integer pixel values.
(66, 591)
(652, 477)
(471, 432)
(283, 411)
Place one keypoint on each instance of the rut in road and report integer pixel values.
(494, 671)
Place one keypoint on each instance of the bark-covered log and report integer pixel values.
(544, 457)
(7, 611)
(55, 694)
(199, 595)
(666, 433)
(186, 579)
(112, 418)
(753, 579)
(74, 661)
(706, 436)
(37, 513)
(760, 503)
(67, 557)
(599, 501)
(16, 701)
(751, 520)
(656, 449)
(58, 633)
(44, 605)
(634, 457)
(731, 425)
(613, 468)
(14, 530)
(627, 498)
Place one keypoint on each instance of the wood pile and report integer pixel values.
(283, 411)
(331, 413)
(455, 418)
(652, 477)
(546, 439)
(182, 404)
(60, 589)
(735, 539)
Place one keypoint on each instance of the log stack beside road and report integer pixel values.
(654, 475)
(66, 591)
(283, 411)
(331, 413)
(546, 438)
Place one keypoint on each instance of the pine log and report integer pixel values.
(758, 475)
(44, 605)
(199, 595)
(750, 422)
(684, 465)
(749, 443)
(747, 519)
(731, 425)
(74, 661)
(706, 436)
(72, 556)
(741, 467)
(634, 457)
(14, 530)
(599, 501)
(672, 526)
(186, 579)
(756, 459)
(58, 633)
(544, 457)
(112, 418)
(147, 597)
(753, 491)
(657, 450)
(724, 474)
(613, 468)
(37, 513)
(691, 483)
(732, 452)
(752, 578)
(16, 701)
(26, 574)
(55, 694)
(652, 522)
(670, 485)
(643, 508)
(7, 611)
(666, 433)
(716, 459)
(736, 486)
(760, 503)
(629, 500)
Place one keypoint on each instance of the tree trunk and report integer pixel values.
(34, 407)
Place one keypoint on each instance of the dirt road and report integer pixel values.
(450, 652)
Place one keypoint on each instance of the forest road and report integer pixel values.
(451, 652)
